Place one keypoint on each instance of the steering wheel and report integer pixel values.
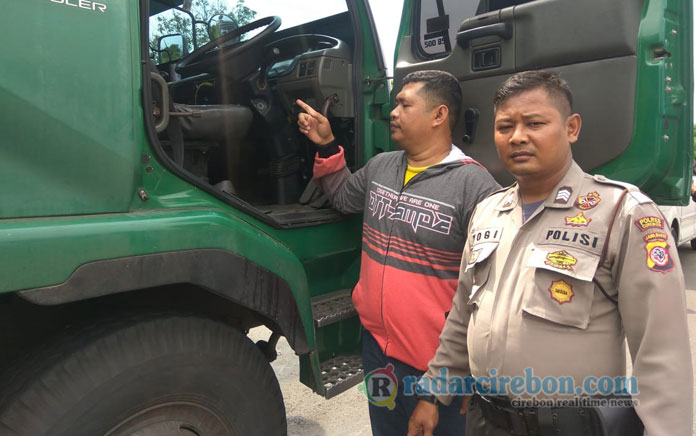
(246, 54)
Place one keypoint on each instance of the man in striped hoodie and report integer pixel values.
(416, 205)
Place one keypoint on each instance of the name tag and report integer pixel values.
(491, 234)
(483, 243)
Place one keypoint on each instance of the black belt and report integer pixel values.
(539, 421)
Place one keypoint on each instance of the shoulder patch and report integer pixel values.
(649, 222)
(658, 255)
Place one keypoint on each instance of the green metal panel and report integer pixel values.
(75, 154)
(660, 156)
(68, 86)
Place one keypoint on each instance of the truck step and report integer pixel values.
(341, 373)
(332, 308)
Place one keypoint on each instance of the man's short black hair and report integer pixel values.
(439, 87)
(554, 84)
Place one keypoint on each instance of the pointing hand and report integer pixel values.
(314, 125)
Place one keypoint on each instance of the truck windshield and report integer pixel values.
(240, 12)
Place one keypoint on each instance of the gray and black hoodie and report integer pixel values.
(413, 237)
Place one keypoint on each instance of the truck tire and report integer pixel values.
(693, 244)
(154, 375)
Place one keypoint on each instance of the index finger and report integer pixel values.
(307, 108)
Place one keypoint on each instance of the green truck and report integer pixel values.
(157, 201)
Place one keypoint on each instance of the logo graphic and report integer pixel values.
(649, 222)
(561, 260)
(380, 387)
(419, 213)
(561, 291)
(657, 250)
(578, 220)
(563, 195)
(587, 202)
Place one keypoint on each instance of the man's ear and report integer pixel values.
(441, 115)
(573, 126)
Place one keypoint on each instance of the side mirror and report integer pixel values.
(171, 48)
(221, 24)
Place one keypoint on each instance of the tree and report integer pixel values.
(175, 21)
(170, 53)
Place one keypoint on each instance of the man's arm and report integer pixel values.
(346, 191)
(652, 305)
(451, 355)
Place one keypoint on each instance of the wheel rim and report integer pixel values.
(173, 419)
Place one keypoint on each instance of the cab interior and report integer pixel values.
(224, 112)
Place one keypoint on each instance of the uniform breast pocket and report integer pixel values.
(480, 265)
(562, 289)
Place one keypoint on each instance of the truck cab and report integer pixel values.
(158, 200)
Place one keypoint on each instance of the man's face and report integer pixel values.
(533, 135)
(411, 119)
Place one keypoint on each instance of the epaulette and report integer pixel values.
(633, 190)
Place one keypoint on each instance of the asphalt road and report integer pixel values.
(346, 415)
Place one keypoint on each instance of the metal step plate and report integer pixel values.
(340, 374)
(332, 308)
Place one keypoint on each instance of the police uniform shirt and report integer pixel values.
(532, 295)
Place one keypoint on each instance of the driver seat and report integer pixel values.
(222, 124)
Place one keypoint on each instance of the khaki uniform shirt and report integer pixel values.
(529, 296)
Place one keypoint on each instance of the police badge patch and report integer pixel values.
(587, 202)
(561, 291)
(561, 260)
(658, 258)
(578, 220)
(649, 222)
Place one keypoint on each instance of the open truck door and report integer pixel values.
(628, 62)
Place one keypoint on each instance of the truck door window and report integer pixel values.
(440, 19)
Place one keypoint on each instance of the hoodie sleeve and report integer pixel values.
(478, 184)
(346, 191)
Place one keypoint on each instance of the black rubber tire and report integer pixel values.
(693, 244)
(196, 375)
(675, 233)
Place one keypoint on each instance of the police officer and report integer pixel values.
(558, 270)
